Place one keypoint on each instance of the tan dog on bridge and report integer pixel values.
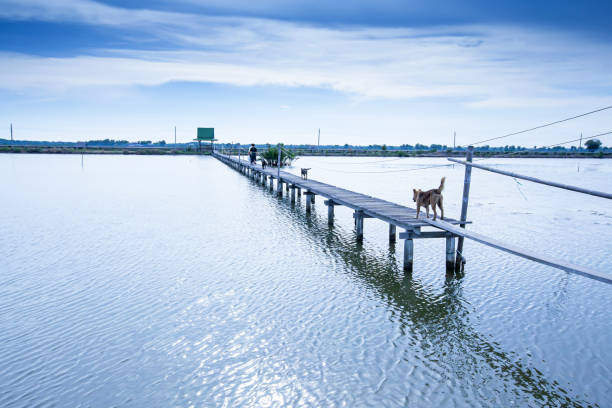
(431, 197)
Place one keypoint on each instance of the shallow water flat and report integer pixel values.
(176, 281)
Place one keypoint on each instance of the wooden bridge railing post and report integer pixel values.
(464, 204)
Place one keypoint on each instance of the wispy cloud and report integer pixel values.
(85, 12)
(478, 65)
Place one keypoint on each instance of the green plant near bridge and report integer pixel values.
(271, 156)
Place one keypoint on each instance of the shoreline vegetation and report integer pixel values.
(161, 148)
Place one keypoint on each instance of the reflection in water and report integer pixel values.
(441, 321)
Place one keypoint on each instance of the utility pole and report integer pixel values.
(579, 147)
(319, 139)
(454, 140)
(175, 135)
(278, 164)
(11, 132)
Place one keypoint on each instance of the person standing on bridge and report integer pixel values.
(253, 153)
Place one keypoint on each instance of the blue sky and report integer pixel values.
(363, 71)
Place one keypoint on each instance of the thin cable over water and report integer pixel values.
(544, 125)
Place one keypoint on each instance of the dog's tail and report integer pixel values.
(441, 185)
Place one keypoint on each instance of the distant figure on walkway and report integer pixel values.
(252, 153)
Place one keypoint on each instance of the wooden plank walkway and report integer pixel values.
(405, 217)
(396, 214)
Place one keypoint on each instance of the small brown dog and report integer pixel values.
(305, 173)
(431, 197)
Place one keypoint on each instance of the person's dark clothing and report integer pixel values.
(253, 154)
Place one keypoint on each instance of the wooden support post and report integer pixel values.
(392, 235)
(359, 224)
(286, 187)
(408, 254)
(450, 252)
(279, 187)
(299, 192)
(464, 204)
(292, 193)
(313, 198)
(271, 183)
(308, 201)
(330, 211)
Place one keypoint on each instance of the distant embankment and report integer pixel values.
(103, 150)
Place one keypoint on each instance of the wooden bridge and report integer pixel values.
(396, 216)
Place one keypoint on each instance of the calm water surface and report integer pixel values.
(138, 281)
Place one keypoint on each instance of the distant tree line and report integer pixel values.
(591, 145)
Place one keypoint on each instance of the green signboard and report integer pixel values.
(206, 134)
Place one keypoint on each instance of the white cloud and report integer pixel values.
(484, 67)
(85, 12)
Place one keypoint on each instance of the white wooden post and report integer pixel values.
(464, 204)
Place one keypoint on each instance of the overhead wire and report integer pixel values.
(363, 162)
(544, 125)
(554, 145)
(386, 171)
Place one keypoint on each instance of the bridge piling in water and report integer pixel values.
(309, 200)
(392, 233)
(330, 211)
(358, 215)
